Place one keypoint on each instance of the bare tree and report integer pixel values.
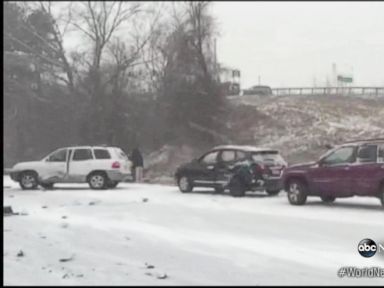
(118, 32)
(191, 93)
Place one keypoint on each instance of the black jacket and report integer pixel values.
(137, 158)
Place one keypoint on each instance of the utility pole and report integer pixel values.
(334, 75)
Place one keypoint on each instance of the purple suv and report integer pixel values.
(352, 169)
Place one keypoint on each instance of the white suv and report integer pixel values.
(102, 167)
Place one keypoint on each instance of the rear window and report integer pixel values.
(268, 157)
(367, 154)
(102, 154)
(120, 153)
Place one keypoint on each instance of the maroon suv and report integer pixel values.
(352, 169)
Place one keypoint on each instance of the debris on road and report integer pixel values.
(149, 266)
(20, 254)
(162, 276)
(92, 203)
(67, 259)
(8, 211)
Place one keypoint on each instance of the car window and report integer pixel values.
(102, 154)
(58, 156)
(240, 155)
(367, 154)
(210, 158)
(228, 155)
(82, 154)
(380, 154)
(268, 157)
(340, 156)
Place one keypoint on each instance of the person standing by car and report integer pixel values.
(137, 164)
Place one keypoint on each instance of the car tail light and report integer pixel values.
(116, 165)
(258, 169)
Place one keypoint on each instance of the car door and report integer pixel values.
(205, 173)
(332, 177)
(55, 166)
(225, 163)
(368, 171)
(80, 164)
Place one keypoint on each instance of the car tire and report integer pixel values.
(47, 185)
(272, 192)
(382, 195)
(236, 187)
(28, 180)
(97, 181)
(297, 192)
(112, 184)
(328, 199)
(184, 184)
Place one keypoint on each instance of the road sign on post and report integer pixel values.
(344, 79)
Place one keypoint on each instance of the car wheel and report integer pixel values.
(297, 192)
(112, 184)
(47, 185)
(272, 192)
(328, 199)
(28, 180)
(236, 187)
(97, 180)
(382, 195)
(185, 184)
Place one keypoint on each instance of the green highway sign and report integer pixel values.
(344, 79)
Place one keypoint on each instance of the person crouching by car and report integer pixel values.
(137, 164)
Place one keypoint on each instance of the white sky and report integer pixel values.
(295, 43)
(292, 43)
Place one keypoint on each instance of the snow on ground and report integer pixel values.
(195, 238)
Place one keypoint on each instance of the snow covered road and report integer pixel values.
(114, 237)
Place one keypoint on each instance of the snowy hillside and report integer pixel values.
(140, 234)
(300, 126)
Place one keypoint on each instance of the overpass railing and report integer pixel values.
(367, 91)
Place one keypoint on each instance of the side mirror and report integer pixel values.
(328, 146)
(320, 163)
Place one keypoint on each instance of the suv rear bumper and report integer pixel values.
(274, 183)
(118, 176)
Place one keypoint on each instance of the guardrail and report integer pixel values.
(367, 91)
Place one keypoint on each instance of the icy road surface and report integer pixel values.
(138, 234)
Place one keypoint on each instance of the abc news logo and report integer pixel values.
(367, 248)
